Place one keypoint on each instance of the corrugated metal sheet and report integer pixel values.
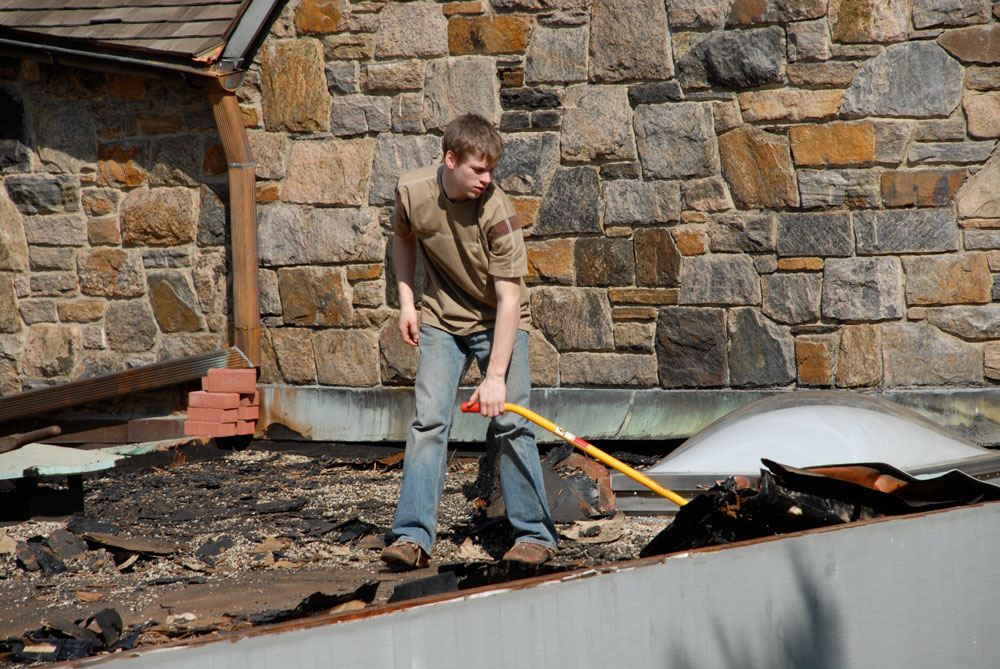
(178, 28)
(916, 591)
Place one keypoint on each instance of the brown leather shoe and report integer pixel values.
(405, 554)
(529, 552)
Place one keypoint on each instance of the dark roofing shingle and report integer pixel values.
(176, 28)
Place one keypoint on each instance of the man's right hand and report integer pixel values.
(409, 325)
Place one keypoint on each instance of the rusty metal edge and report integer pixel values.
(148, 377)
(521, 584)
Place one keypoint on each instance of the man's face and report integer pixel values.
(469, 178)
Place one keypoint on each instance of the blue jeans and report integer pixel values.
(444, 359)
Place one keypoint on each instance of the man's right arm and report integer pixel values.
(404, 260)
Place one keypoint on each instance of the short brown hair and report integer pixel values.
(472, 134)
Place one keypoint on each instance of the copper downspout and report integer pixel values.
(243, 223)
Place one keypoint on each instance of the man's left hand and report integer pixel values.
(491, 395)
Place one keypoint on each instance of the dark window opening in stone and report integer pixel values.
(14, 153)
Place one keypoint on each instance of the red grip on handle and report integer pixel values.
(470, 408)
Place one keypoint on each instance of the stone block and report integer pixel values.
(349, 47)
(44, 193)
(706, 195)
(322, 16)
(411, 30)
(344, 235)
(65, 147)
(175, 305)
(825, 74)
(644, 55)
(743, 233)
(53, 284)
(177, 161)
(293, 348)
(654, 296)
(836, 188)
(597, 124)
(331, 171)
(55, 230)
(395, 155)
(916, 79)
(691, 347)
(397, 359)
(975, 44)
(494, 34)
(758, 168)
(43, 258)
(282, 236)
(725, 279)
(407, 75)
(270, 152)
(751, 12)
(460, 85)
(294, 92)
(981, 113)
(698, 13)
(791, 299)
(976, 198)
(634, 337)
(122, 164)
(129, 326)
(37, 311)
(676, 140)
(978, 323)
(991, 360)
(347, 358)
(100, 201)
(982, 240)
(816, 359)
(213, 228)
(859, 359)
(312, 296)
(551, 262)
(111, 272)
(892, 138)
(529, 161)
(761, 353)
(358, 114)
(948, 279)
(558, 312)
(905, 231)
(862, 289)
(159, 216)
(737, 59)
(815, 234)
(9, 321)
(13, 243)
(835, 144)
(951, 129)
(866, 21)
(607, 369)
(918, 354)
(571, 203)
(788, 104)
(809, 40)
(920, 188)
(633, 202)
(544, 359)
(77, 311)
(657, 259)
(933, 13)
(604, 262)
(950, 152)
(515, 120)
(527, 210)
(979, 78)
(556, 55)
(530, 98)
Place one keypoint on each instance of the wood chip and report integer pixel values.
(85, 596)
(470, 550)
(607, 530)
(133, 544)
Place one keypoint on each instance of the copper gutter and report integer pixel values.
(243, 224)
(129, 381)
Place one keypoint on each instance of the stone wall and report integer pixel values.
(716, 193)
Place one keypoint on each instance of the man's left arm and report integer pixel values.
(492, 392)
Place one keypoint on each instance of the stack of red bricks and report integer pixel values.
(227, 405)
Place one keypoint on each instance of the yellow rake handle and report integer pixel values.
(587, 448)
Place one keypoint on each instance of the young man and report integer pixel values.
(474, 305)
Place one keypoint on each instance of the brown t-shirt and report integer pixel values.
(463, 245)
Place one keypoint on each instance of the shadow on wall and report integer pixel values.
(804, 631)
(120, 184)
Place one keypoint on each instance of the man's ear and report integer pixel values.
(450, 160)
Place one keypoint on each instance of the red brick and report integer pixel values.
(202, 399)
(249, 413)
(250, 400)
(230, 381)
(246, 426)
(199, 414)
(198, 428)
